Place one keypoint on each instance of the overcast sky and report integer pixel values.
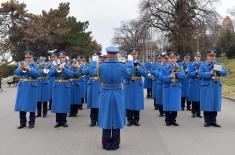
(105, 15)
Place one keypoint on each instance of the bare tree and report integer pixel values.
(130, 34)
(136, 33)
(180, 19)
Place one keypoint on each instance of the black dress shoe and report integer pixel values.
(31, 126)
(136, 124)
(21, 126)
(193, 116)
(92, 124)
(199, 116)
(129, 124)
(57, 125)
(175, 124)
(115, 147)
(215, 125)
(65, 125)
(44, 115)
(161, 115)
(168, 124)
(207, 125)
(189, 109)
(75, 115)
(38, 116)
(70, 115)
(107, 147)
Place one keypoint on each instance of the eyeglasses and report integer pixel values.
(62, 57)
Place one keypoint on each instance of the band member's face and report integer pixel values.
(29, 59)
(165, 59)
(159, 59)
(197, 58)
(41, 62)
(211, 57)
(53, 57)
(187, 58)
(172, 59)
(62, 57)
(134, 55)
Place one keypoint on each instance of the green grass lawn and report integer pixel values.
(229, 81)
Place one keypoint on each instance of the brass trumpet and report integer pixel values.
(24, 66)
(59, 65)
(174, 79)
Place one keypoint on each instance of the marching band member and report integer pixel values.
(43, 88)
(52, 58)
(93, 88)
(61, 90)
(194, 84)
(163, 60)
(148, 80)
(103, 58)
(135, 91)
(171, 75)
(112, 105)
(75, 90)
(210, 90)
(83, 81)
(184, 64)
(26, 99)
(154, 66)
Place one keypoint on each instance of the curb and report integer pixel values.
(229, 98)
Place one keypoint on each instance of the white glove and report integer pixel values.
(46, 71)
(95, 58)
(130, 58)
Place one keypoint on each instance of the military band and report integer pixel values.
(113, 86)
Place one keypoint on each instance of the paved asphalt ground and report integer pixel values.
(152, 137)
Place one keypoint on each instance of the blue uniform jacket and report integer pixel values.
(171, 91)
(61, 90)
(26, 98)
(76, 87)
(184, 81)
(210, 90)
(43, 87)
(147, 80)
(134, 90)
(112, 102)
(93, 85)
(194, 81)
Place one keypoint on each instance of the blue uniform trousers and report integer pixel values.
(188, 106)
(210, 117)
(40, 106)
(133, 116)
(61, 118)
(94, 116)
(73, 110)
(23, 119)
(111, 138)
(196, 108)
(170, 116)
